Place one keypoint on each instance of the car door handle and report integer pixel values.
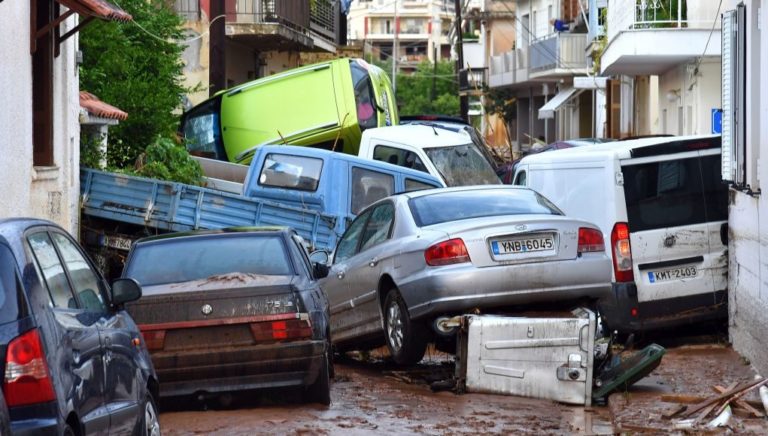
(340, 275)
(373, 262)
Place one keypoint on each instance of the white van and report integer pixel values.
(447, 153)
(663, 206)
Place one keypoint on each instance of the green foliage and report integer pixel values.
(166, 160)
(138, 71)
(91, 153)
(415, 91)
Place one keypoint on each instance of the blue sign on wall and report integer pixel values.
(717, 121)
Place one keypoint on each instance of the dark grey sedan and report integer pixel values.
(230, 310)
(411, 261)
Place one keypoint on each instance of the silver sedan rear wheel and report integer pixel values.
(406, 339)
(151, 421)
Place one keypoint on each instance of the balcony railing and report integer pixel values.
(188, 9)
(658, 14)
(559, 51)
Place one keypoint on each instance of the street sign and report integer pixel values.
(717, 121)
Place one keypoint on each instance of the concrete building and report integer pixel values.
(663, 61)
(260, 38)
(540, 71)
(39, 170)
(745, 148)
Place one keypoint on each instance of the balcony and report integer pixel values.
(473, 80)
(283, 24)
(558, 55)
(651, 36)
(509, 69)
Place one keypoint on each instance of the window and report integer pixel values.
(379, 226)
(462, 165)
(398, 156)
(293, 172)
(87, 284)
(365, 100)
(415, 185)
(42, 87)
(200, 257)
(53, 272)
(12, 306)
(202, 130)
(672, 193)
(301, 246)
(368, 187)
(453, 206)
(520, 178)
(347, 246)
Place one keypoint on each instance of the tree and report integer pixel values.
(414, 91)
(138, 68)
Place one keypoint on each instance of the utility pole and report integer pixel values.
(217, 73)
(463, 100)
(394, 53)
(434, 74)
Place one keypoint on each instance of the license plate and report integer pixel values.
(117, 242)
(685, 272)
(523, 245)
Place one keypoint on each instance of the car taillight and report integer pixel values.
(155, 339)
(622, 253)
(281, 330)
(590, 240)
(447, 253)
(27, 380)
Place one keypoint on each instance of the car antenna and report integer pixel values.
(434, 130)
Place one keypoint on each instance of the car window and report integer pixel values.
(50, 267)
(202, 131)
(398, 156)
(347, 246)
(293, 172)
(415, 185)
(460, 205)
(379, 226)
(365, 99)
(520, 178)
(715, 191)
(11, 293)
(368, 187)
(299, 242)
(179, 260)
(86, 283)
(670, 193)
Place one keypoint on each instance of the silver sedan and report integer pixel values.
(410, 260)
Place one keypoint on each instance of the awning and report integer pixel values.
(97, 9)
(562, 97)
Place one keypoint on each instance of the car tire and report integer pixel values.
(320, 390)
(406, 339)
(67, 431)
(149, 425)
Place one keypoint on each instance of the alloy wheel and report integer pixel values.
(395, 326)
(151, 420)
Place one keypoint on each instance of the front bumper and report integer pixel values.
(229, 369)
(457, 288)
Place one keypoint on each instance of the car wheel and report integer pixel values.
(406, 339)
(150, 419)
(67, 431)
(320, 390)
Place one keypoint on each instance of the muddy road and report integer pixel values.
(375, 398)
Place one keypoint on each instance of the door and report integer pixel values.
(671, 222)
(121, 393)
(78, 363)
(336, 285)
(364, 270)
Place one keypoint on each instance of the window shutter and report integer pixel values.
(733, 96)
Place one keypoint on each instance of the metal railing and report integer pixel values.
(187, 9)
(323, 17)
(658, 14)
(559, 50)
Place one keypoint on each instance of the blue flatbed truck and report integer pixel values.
(317, 192)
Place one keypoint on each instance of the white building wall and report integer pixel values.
(43, 192)
(748, 215)
(686, 102)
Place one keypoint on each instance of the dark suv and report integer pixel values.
(74, 360)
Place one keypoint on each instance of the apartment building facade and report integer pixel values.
(259, 38)
(541, 70)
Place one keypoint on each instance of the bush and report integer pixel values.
(166, 160)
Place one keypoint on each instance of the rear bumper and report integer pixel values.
(215, 370)
(616, 310)
(37, 426)
(462, 287)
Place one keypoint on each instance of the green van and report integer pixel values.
(325, 105)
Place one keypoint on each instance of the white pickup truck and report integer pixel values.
(446, 152)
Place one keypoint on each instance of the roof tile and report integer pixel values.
(98, 108)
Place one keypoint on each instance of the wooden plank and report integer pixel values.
(674, 412)
(696, 399)
(741, 393)
(744, 388)
(741, 403)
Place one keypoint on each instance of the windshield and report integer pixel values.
(442, 207)
(179, 260)
(462, 165)
(201, 127)
(365, 100)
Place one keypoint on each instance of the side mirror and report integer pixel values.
(319, 256)
(320, 270)
(124, 291)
